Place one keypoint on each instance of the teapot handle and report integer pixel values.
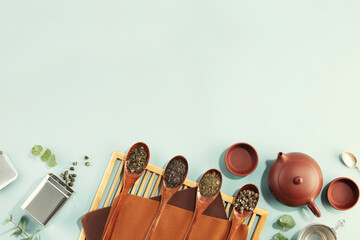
(314, 208)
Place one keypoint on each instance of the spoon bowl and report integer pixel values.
(167, 194)
(238, 217)
(129, 181)
(202, 203)
(350, 160)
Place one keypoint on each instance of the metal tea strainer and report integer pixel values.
(317, 231)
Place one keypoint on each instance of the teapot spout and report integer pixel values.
(281, 156)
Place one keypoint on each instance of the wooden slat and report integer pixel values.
(260, 224)
(135, 186)
(252, 219)
(228, 205)
(148, 188)
(156, 186)
(143, 183)
(113, 185)
(157, 171)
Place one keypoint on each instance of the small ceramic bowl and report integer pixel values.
(343, 193)
(241, 159)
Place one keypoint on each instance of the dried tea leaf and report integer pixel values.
(46, 155)
(136, 161)
(175, 173)
(210, 184)
(286, 221)
(36, 150)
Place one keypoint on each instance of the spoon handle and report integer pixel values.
(235, 224)
(110, 226)
(156, 220)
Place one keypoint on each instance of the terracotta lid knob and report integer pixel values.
(298, 180)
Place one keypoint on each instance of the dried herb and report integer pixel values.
(44, 154)
(210, 184)
(136, 161)
(175, 173)
(19, 229)
(246, 200)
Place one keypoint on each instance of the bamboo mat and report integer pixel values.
(149, 185)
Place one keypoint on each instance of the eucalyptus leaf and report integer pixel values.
(17, 232)
(52, 161)
(286, 221)
(20, 221)
(46, 155)
(23, 227)
(36, 150)
(11, 229)
(278, 236)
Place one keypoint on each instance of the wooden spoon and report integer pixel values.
(167, 194)
(239, 218)
(202, 203)
(129, 181)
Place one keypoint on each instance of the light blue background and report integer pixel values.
(186, 77)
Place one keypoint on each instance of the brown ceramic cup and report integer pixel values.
(343, 193)
(241, 159)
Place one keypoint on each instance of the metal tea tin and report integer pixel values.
(8, 172)
(47, 199)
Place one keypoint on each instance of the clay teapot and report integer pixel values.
(295, 179)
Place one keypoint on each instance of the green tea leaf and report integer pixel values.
(278, 236)
(36, 150)
(10, 217)
(13, 228)
(286, 221)
(23, 227)
(17, 232)
(46, 155)
(20, 221)
(52, 161)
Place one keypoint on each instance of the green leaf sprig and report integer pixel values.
(19, 229)
(285, 222)
(44, 154)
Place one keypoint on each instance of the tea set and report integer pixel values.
(295, 179)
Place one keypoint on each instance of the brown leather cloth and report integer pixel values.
(137, 214)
